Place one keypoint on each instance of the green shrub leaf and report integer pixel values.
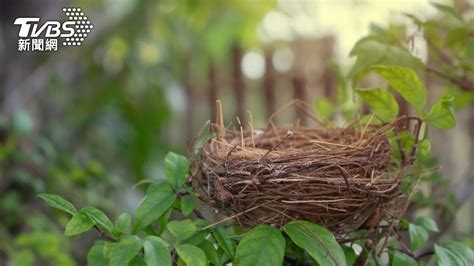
(424, 147)
(350, 254)
(454, 253)
(99, 218)
(418, 236)
(427, 223)
(324, 108)
(372, 51)
(156, 252)
(59, 203)
(191, 255)
(176, 169)
(449, 11)
(211, 252)
(222, 238)
(123, 223)
(95, 256)
(442, 115)
(124, 251)
(262, 246)
(382, 102)
(79, 223)
(319, 242)
(159, 198)
(406, 82)
(187, 206)
(181, 229)
(400, 259)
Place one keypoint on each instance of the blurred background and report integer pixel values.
(89, 122)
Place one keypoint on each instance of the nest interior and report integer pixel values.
(340, 178)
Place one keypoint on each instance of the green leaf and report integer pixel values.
(401, 259)
(176, 169)
(159, 198)
(79, 223)
(191, 255)
(163, 220)
(95, 256)
(59, 203)
(373, 51)
(222, 238)
(418, 236)
(449, 11)
(424, 147)
(123, 223)
(406, 82)
(382, 102)
(187, 206)
(211, 252)
(350, 255)
(324, 108)
(319, 242)
(262, 246)
(196, 238)
(156, 252)
(441, 114)
(462, 250)
(181, 229)
(454, 253)
(99, 218)
(427, 223)
(461, 98)
(124, 251)
(138, 260)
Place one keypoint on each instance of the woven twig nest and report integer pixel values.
(340, 178)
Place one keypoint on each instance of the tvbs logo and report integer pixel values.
(36, 36)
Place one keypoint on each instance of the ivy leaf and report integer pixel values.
(99, 218)
(400, 259)
(159, 198)
(319, 242)
(181, 229)
(418, 236)
(191, 255)
(406, 82)
(262, 246)
(382, 102)
(441, 114)
(124, 251)
(454, 253)
(123, 223)
(156, 252)
(427, 223)
(187, 206)
(79, 223)
(222, 238)
(58, 202)
(176, 169)
(95, 256)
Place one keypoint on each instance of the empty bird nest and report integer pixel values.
(341, 178)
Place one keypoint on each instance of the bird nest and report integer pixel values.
(341, 178)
